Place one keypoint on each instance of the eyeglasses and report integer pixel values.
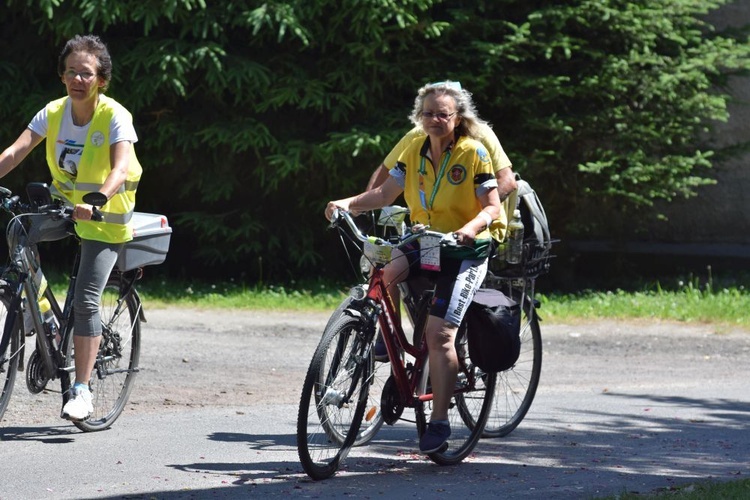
(443, 117)
(85, 76)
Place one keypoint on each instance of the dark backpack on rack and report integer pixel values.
(493, 323)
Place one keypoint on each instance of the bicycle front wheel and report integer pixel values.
(380, 371)
(516, 387)
(334, 397)
(10, 341)
(117, 362)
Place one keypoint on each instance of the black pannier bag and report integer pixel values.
(494, 327)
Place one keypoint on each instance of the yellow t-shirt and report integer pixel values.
(499, 161)
(444, 197)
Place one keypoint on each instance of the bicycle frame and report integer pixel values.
(410, 377)
(396, 342)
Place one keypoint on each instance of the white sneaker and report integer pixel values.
(79, 405)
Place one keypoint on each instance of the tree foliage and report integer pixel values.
(252, 114)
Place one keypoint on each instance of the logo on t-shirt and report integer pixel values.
(70, 156)
(97, 138)
(457, 174)
(484, 157)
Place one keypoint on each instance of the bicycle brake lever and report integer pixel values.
(450, 240)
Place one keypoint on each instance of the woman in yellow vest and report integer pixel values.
(448, 183)
(89, 148)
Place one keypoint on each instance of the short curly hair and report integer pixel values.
(465, 108)
(89, 44)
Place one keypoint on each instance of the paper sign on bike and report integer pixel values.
(377, 254)
(429, 253)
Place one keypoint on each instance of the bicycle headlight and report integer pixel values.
(358, 292)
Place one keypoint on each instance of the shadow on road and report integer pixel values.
(567, 452)
(47, 435)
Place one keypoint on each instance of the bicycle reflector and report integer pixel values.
(364, 266)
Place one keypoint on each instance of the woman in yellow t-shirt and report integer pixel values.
(448, 183)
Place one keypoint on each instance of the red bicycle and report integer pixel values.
(334, 403)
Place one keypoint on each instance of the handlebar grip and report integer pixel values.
(450, 240)
(11, 202)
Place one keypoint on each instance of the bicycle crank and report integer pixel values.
(36, 378)
(390, 402)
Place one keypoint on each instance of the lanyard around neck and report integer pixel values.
(427, 205)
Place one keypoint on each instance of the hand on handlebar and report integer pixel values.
(86, 212)
(340, 205)
(82, 212)
(449, 239)
(465, 237)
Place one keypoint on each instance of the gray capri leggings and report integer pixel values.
(97, 261)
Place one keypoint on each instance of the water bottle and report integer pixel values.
(44, 306)
(514, 251)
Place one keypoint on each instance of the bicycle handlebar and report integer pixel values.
(12, 203)
(446, 239)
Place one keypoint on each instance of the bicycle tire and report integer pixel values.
(372, 420)
(117, 362)
(337, 369)
(10, 357)
(468, 410)
(516, 387)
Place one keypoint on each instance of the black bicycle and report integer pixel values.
(24, 295)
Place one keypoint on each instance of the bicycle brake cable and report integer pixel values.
(346, 248)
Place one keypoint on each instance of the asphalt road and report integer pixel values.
(636, 406)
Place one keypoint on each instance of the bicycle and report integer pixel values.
(22, 285)
(516, 387)
(335, 390)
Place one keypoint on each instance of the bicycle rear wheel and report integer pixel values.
(10, 342)
(468, 410)
(334, 396)
(117, 362)
(516, 387)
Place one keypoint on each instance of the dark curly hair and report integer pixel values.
(89, 44)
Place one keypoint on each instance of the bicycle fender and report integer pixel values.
(15, 305)
(353, 313)
(534, 305)
(141, 314)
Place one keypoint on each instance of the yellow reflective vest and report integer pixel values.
(93, 170)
